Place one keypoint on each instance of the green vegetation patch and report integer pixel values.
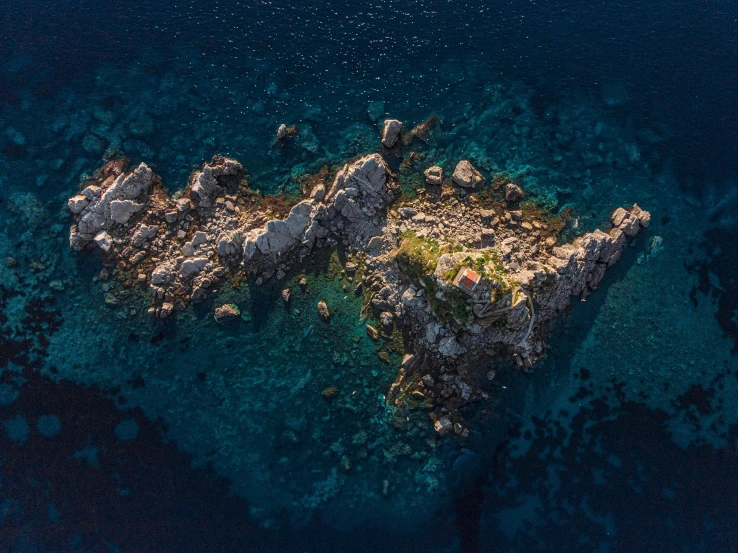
(417, 257)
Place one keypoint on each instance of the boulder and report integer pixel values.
(145, 232)
(434, 175)
(103, 240)
(163, 274)
(318, 193)
(77, 204)
(227, 312)
(466, 176)
(443, 426)
(192, 267)
(513, 192)
(165, 310)
(323, 311)
(391, 132)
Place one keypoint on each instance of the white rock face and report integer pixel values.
(280, 236)
(76, 204)
(103, 241)
(391, 132)
(216, 178)
(127, 195)
(122, 210)
(466, 176)
(163, 274)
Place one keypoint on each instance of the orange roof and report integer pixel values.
(468, 278)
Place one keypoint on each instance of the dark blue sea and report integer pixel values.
(119, 433)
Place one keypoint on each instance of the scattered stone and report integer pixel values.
(286, 295)
(466, 176)
(282, 132)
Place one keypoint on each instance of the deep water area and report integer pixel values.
(120, 432)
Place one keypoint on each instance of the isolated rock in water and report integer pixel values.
(391, 132)
(165, 310)
(227, 312)
(513, 192)
(282, 132)
(434, 175)
(466, 176)
(286, 295)
(323, 311)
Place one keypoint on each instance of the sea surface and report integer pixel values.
(119, 433)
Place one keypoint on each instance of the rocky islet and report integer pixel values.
(467, 272)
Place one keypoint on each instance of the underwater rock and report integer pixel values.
(391, 132)
(375, 110)
(466, 176)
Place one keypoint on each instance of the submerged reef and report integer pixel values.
(465, 269)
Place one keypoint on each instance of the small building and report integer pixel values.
(467, 280)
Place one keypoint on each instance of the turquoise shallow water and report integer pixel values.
(124, 434)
